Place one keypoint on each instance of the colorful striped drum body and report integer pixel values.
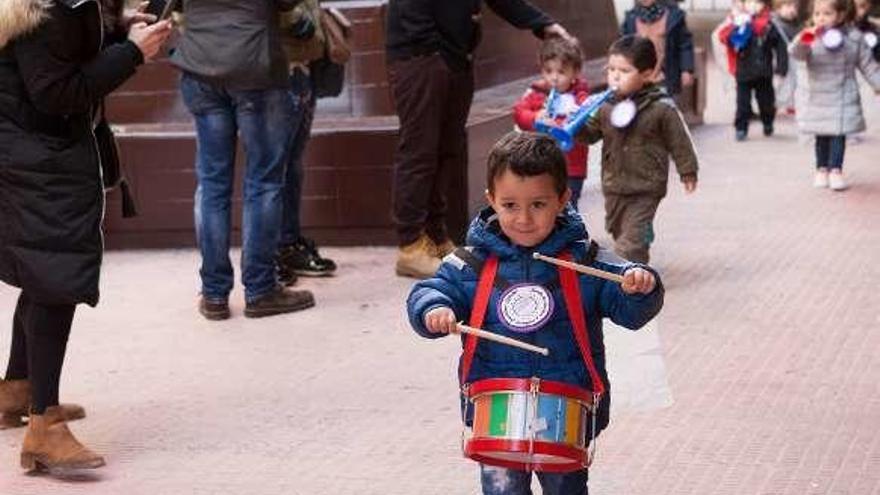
(509, 415)
(529, 424)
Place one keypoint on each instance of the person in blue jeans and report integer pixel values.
(234, 83)
(305, 42)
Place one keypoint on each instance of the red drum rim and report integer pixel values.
(480, 450)
(525, 385)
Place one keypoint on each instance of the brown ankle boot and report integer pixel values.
(419, 259)
(15, 401)
(48, 443)
(14, 394)
(443, 248)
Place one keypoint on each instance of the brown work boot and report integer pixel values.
(214, 309)
(15, 401)
(419, 259)
(444, 248)
(279, 301)
(48, 443)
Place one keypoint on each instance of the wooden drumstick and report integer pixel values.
(589, 270)
(501, 339)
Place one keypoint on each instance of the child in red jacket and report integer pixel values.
(561, 63)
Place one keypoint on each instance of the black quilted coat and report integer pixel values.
(54, 72)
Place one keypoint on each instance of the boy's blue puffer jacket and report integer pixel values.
(455, 283)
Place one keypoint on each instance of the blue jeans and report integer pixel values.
(576, 184)
(263, 119)
(501, 481)
(829, 151)
(303, 95)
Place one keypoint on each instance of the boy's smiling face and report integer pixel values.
(527, 207)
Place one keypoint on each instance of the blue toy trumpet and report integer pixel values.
(742, 32)
(564, 135)
(551, 103)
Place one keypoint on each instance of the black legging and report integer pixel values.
(39, 341)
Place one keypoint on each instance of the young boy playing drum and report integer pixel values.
(496, 283)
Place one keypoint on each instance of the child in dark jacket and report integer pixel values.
(665, 24)
(640, 130)
(755, 41)
(785, 18)
(868, 22)
(528, 213)
(561, 63)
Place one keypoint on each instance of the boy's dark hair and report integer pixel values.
(527, 154)
(637, 50)
(567, 52)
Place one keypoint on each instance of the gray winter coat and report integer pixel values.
(235, 43)
(832, 103)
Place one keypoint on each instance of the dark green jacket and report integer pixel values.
(635, 159)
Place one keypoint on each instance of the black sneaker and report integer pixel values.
(302, 258)
(285, 276)
(214, 309)
(768, 130)
(279, 301)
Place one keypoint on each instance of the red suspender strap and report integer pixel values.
(478, 312)
(572, 293)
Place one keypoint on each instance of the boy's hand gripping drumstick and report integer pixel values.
(589, 270)
(501, 339)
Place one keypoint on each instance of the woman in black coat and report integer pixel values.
(56, 65)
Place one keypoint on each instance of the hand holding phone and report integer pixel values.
(150, 38)
(162, 9)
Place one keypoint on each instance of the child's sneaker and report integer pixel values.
(821, 178)
(768, 130)
(836, 181)
(741, 135)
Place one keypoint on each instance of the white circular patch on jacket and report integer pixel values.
(832, 39)
(623, 114)
(871, 40)
(525, 307)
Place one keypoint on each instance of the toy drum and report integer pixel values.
(529, 424)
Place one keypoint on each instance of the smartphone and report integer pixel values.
(162, 9)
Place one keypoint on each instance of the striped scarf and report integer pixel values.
(649, 14)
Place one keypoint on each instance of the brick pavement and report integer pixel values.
(770, 329)
(759, 377)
